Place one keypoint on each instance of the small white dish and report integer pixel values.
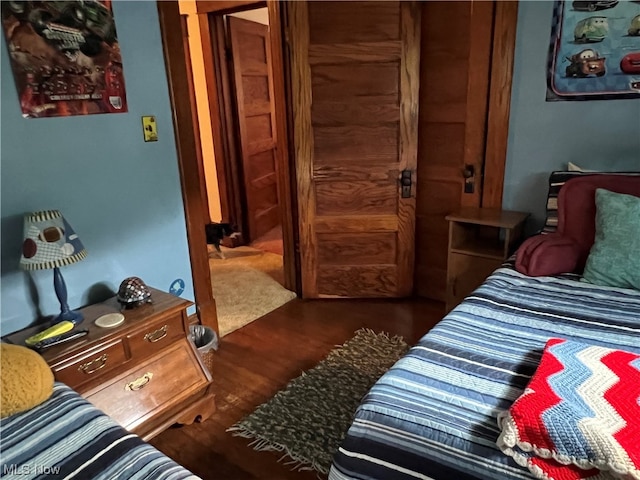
(110, 320)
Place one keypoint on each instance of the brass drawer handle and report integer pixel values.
(157, 335)
(94, 365)
(139, 383)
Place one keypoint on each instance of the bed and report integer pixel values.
(434, 414)
(66, 437)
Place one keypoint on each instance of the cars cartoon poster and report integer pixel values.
(65, 57)
(594, 51)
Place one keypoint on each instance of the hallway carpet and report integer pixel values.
(247, 284)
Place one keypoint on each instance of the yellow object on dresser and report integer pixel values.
(26, 379)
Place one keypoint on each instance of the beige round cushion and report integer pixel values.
(27, 380)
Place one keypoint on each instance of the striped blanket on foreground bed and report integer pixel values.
(67, 437)
(433, 415)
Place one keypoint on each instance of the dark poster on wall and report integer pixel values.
(594, 51)
(65, 57)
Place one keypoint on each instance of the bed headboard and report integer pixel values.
(577, 207)
(567, 249)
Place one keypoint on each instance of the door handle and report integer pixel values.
(469, 174)
(405, 183)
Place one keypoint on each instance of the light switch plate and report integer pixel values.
(149, 128)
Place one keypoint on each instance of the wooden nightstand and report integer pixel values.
(480, 239)
(144, 373)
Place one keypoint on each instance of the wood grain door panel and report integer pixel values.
(347, 248)
(355, 72)
(359, 110)
(263, 164)
(256, 120)
(454, 88)
(371, 145)
(356, 197)
(368, 280)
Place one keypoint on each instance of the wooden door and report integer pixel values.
(257, 124)
(355, 79)
(456, 48)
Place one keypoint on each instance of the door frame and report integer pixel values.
(188, 159)
(210, 19)
(187, 134)
(505, 21)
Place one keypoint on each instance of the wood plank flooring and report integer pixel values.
(256, 361)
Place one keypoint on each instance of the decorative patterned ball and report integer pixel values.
(133, 292)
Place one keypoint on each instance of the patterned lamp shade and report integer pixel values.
(49, 242)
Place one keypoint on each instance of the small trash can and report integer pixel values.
(206, 341)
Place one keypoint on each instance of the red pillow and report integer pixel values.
(543, 255)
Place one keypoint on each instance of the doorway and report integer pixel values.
(186, 129)
(234, 87)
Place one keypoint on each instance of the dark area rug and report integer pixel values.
(309, 418)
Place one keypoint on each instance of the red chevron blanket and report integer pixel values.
(579, 417)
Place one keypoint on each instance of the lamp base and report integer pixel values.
(61, 292)
(70, 316)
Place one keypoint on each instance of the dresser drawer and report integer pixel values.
(83, 368)
(158, 385)
(156, 335)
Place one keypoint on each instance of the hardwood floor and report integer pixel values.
(256, 361)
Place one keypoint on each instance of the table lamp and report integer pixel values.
(50, 242)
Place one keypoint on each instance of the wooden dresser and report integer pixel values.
(144, 373)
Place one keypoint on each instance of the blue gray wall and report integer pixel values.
(121, 195)
(544, 136)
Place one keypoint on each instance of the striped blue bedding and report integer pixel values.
(433, 414)
(66, 437)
